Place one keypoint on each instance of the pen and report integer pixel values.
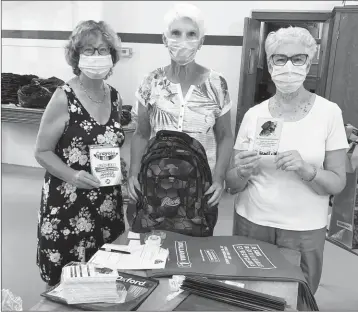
(115, 250)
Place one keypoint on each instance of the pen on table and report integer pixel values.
(115, 250)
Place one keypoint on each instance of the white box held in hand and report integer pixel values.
(268, 135)
(106, 164)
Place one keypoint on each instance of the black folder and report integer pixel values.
(231, 258)
(232, 295)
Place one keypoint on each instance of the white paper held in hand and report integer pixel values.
(245, 146)
(267, 136)
(106, 164)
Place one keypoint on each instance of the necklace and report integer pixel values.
(95, 101)
(298, 112)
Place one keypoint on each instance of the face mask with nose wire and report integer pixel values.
(95, 66)
(288, 78)
(182, 52)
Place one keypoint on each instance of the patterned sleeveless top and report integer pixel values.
(76, 222)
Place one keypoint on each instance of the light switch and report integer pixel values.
(126, 52)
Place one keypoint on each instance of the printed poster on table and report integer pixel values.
(225, 256)
(268, 135)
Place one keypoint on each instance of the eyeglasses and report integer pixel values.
(281, 59)
(101, 50)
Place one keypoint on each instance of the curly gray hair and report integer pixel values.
(291, 35)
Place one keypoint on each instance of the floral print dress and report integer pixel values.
(73, 223)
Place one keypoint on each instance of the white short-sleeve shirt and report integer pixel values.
(280, 199)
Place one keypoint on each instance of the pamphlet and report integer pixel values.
(268, 134)
(102, 289)
(140, 257)
(106, 164)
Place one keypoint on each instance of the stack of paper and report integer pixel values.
(86, 283)
(132, 257)
(101, 289)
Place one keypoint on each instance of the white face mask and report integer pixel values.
(182, 52)
(95, 66)
(288, 78)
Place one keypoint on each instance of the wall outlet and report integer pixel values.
(126, 52)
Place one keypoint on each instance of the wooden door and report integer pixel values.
(248, 70)
(342, 78)
(323, 59)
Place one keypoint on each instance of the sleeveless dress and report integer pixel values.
(73, 223)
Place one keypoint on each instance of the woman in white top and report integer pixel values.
(184, 96)
(284, 199)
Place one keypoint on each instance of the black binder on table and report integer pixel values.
(231, 296)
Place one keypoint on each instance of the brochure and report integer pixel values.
(267, 136)
(90, 288)
(106, 164)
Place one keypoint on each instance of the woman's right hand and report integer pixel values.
(133, 184)
(246, 162)
(85, 180)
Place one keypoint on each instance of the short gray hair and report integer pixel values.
(290, 35)
(185, 10)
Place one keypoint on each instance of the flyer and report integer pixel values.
(267, 135)
(140, 257)
(106, 164)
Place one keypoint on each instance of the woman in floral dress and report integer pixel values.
(184, 96)
(76, 216)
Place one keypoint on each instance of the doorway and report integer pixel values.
(264, 87)
(256, 85)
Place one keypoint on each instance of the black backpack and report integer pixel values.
(174, 177)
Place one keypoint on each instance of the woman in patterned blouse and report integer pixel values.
(184, 96)
(77, 217)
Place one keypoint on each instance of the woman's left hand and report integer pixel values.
(292, 161)
(217, 189)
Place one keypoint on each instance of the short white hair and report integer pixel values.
(181, 11)
(290, 35)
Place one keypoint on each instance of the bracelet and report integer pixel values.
(313, 175)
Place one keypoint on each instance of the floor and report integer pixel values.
(20, 200)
